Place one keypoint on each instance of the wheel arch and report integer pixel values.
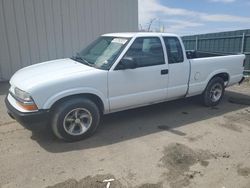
(224, 74)
(97, 98)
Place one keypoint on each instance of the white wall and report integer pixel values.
(33, 31)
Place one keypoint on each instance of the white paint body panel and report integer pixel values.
(178, 76)
(123, 89)
(206, 68)
(135, 87)
(50, 81)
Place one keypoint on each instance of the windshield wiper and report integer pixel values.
(82, 60)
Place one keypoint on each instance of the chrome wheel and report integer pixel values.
(216, 92)
(77, 121)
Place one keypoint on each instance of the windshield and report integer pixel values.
(102, 52)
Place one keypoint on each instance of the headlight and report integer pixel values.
(24, 100)
(22, 95)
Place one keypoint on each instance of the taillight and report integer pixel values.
(244, 62)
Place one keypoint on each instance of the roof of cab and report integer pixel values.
(138, 34)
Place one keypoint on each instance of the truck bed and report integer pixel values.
(192, 54)
(203, 68)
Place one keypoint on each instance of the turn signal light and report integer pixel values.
(28, 107)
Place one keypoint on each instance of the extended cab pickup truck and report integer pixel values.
(116, 72)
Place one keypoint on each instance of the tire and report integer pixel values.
(213, 92)
(75, 119)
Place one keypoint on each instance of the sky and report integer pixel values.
(186, 17)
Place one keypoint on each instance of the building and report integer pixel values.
(33, 31)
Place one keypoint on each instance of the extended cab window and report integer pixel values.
(146, 51)
(174, 50)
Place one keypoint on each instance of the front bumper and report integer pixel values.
(24, 118)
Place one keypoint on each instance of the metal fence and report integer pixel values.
(232, 42)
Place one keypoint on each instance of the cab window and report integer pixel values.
(146, 51)
(174, 50)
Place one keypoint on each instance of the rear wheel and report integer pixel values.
(214, 92)
(75, 119)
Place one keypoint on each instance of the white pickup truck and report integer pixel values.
(117, 71)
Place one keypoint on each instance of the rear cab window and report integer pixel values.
(174, 50)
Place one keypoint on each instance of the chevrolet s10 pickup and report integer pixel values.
(117, 71)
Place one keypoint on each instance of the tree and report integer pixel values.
(149, 26)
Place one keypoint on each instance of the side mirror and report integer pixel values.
(126, 63)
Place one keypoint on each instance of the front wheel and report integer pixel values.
(214, 92)
(75, 119)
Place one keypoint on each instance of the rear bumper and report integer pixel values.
(41, 116)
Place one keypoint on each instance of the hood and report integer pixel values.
(49, 71)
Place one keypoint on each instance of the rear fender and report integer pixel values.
(213, 74)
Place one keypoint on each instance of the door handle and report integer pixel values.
(164, 71)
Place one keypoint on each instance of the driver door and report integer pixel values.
(143, 84)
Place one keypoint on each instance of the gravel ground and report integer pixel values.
(174, 144)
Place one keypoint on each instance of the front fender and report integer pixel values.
(51, 100)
